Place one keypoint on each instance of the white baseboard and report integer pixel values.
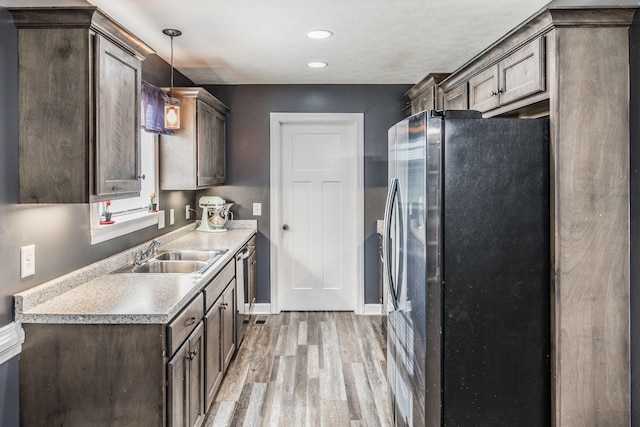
(372, 309)
(369, 309)
(261, 308)
(11, 339)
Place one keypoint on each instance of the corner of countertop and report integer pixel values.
(242, 223)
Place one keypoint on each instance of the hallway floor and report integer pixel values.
(306, 369)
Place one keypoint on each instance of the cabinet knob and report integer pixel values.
(192, 354)
(113, 188)
(142, 176)
(500, 90)
(285, 227)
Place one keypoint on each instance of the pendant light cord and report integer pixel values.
(171, 66)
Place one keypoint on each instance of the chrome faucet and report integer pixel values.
(145, 255)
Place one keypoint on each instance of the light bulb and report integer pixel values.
(172, 115)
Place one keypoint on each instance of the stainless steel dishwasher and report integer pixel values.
(246, 286)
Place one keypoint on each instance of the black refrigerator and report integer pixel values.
(466, 249)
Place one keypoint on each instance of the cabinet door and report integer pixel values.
(522, 73)
(185, 376)
(206, 144)
(213, 353)
(456, 99)
(229, 323)
(196, 377)
(220, 149)
(177, 377)
(483, 90)
(117, 107)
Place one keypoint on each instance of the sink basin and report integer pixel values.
(158, 267)
(175, 261)
(171, 267)
(188, 255)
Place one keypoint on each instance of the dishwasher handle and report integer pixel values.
(244, 253)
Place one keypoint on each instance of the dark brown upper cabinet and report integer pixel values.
(79, 105)
(195, 156)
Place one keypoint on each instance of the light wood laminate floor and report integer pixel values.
(306, 369)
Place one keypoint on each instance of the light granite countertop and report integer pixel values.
(91, 295)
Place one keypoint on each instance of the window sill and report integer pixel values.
(123, 225)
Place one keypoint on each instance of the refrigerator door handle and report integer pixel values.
(386, 238)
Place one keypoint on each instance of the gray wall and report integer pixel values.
(60, 232)
(248, 153)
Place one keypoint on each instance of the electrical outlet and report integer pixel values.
(172, 216)
(187, 212)
(27, 261)
(160, 219)
(257, 209)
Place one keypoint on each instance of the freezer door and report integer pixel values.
(496, 273)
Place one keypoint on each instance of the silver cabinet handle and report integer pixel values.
(285, 227)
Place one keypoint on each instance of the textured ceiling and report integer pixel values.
(264, 41)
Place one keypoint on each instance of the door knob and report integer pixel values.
(285, 227)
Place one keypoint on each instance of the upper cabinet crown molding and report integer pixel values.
(594, 17)
(79, 105)
(424, 94)
(81, 17)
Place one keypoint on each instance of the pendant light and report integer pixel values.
(171, 104)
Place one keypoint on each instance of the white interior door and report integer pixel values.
(318, 224)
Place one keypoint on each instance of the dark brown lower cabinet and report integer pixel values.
(185, 375)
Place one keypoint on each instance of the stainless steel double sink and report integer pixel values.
(175, 261)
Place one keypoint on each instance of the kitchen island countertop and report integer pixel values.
(93, 296)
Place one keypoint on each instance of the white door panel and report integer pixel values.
(318, 261)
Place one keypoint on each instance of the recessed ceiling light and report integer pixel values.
(319, 34)
(317, 64)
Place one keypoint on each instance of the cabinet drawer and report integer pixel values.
(214, 289)
(180, 328)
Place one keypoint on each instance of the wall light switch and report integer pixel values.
(187, 213)
(160, 219)
(27, 261)
(257, 209)
(172, 217)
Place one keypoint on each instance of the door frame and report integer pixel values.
(277, 120)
